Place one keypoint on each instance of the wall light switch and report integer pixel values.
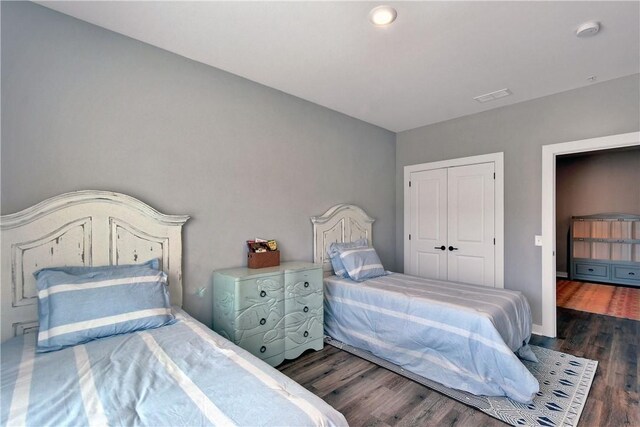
(538, 240)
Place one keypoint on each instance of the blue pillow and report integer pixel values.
(98, 302)
(362, 263)
(334, 255)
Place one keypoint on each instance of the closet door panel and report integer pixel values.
(428, 224)
(471, 226)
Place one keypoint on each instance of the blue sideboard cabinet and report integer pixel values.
(275, 313)
(606, 248)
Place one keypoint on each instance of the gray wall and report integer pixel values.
(86, 108)
(605, 182)
(520, 131)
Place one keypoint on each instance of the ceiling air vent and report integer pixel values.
(493, 95)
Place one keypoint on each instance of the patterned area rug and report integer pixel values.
(565, 382)
(616, 301)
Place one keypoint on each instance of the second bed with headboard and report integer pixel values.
(466, 337)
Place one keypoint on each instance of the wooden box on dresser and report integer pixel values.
(275, 313)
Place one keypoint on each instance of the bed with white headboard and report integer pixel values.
(452, 333)
(342, 223)
(176, 373)
(82, 228)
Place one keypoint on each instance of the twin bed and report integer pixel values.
(182, 373)
(466, 337)
(178, 374)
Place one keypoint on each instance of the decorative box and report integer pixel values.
(263, 259)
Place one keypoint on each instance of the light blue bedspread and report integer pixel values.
(182, 374)
(462, 336)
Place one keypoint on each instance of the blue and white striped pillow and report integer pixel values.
(99, 302)
(334, 255)
(362, 263)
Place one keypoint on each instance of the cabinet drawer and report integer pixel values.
(302, 329)
(303, 282)
(259, 291)
(260, 317)
(305, 303)
(263, 345)
(626, 273)
(593, 270)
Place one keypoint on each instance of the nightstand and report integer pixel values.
(275, 313)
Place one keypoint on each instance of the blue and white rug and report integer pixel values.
(565, 381)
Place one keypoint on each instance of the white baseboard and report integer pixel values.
(562, 274)
(536, 329)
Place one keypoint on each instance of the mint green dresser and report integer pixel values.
(275, 313)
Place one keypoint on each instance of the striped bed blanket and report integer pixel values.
(465, 337)
(181, 374)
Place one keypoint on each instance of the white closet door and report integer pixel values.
(471, 227)
(428, 229)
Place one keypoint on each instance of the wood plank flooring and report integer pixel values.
(610, 300)
(369, 395)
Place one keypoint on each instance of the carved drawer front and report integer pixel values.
(264, 345)
(254, 292)
(300, 331)
(305, 303)
(259, 318)
(303, 283)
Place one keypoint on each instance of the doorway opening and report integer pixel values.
(549, 261)
(597, 230)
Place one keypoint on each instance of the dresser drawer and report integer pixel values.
(302, 329)
(626, 273)
(260, 317)
(592, 270)
(259, 291)
(305, 303)
(264, 345)
(303, 282)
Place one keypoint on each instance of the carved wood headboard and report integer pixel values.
(82, 228)
(341, 223)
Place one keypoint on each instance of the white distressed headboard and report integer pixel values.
(341, 223)
(83, 228)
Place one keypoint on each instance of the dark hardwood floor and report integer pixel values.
(369, 395)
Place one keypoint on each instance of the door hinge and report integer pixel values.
(494, 175)
(494, 240)
(409, 236)
(409, 183)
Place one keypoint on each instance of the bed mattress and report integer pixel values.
(463, 336)
(182, 374)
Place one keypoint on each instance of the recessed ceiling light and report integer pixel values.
(382, 15)
(588, 29)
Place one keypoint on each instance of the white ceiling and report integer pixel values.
(425, 68)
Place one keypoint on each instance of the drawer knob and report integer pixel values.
(305, 309)
(306, 284)
(263, 349)
(263, 294)
(591, 269)
(306, 334)
(263, 321)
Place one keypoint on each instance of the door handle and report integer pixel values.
(442, 248)
(451, 248)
